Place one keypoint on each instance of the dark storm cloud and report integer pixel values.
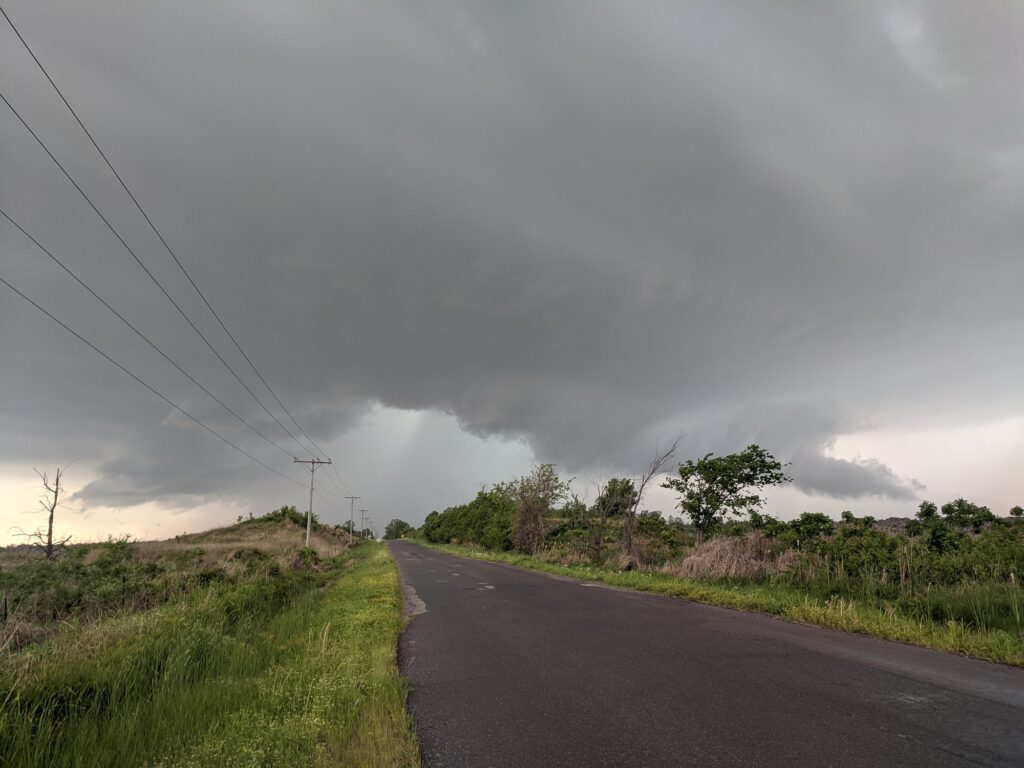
(593, 227)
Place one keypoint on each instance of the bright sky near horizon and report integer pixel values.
(458, 239)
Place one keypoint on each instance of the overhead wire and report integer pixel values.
(171, 252)
(147, 270)
(148, 386)
(139, 333)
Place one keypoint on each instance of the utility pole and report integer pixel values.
(351, 514)
(362, 519)
(313, 464)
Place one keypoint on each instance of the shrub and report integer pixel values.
(487, 521)
(753, 556)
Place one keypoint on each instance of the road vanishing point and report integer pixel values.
(510, 667)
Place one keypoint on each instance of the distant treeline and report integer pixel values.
(959, 561)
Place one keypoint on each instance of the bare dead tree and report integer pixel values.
(49, 501)
(655, 468)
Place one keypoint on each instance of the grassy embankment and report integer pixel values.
(792, 604)
(277, 667)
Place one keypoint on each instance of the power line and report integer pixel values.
(149, 273)
(341, 480)
(332, 499)
(342, 488)
(333, 496)
(139, 333)
(150, 387)
(163, 241)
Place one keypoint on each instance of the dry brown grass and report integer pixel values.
(281, 539)
(737, 557)
(13, 556)
(17, 633)
(620, 560)
(561, 556)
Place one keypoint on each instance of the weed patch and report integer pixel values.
(268, 671)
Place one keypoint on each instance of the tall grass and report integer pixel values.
(978, 604)
(282, 670)
(92, 581)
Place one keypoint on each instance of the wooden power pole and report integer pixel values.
(351, 514)
(313, 464)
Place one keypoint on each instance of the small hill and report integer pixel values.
(88, 582)
(280, 537)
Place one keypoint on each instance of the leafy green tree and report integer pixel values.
(854, 524)
(714, 486)
(486, 520)
(964, 514)
(810, 526)
(497, 506)
(431, 526)
(397, 529)
(768, 525)
(940, 537)
(650, 523)
(1017, 512)
(533, 498)
(615, 499)
(936, 532)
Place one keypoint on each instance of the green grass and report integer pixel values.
(978, 605)
(793, 604)
(287, 670)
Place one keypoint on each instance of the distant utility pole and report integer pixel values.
(362, 518)
(351, 514)
(313, 464)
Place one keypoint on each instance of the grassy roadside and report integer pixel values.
(281, 672)
(784, 602)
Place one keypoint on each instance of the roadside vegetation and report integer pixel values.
(235, 647)
(87, 582)
(398, 529)
(947, 578)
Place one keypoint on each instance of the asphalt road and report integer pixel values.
(510, 667)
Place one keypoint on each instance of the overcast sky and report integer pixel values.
(459, 238)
